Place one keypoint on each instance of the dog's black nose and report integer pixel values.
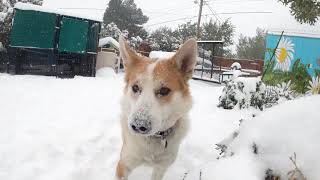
(141, 127)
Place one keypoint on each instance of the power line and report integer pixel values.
(215, 15)
(192, 17)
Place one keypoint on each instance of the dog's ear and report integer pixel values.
(128, 56)
(186, 58)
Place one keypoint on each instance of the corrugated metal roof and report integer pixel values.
(32, 7)
(308, 34)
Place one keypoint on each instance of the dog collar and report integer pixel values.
(162, 135)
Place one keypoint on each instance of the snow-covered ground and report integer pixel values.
(68, 129)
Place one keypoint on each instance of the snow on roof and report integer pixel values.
(294, 33)
(32, 7)
(160, 54)
(108, 40)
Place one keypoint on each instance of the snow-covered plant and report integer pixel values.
(243, 94)
(258, 96)
(163, 39)
(284, 90)
(110, 30)
(135, 41)
(232, 95)
(279, 93)
(314, 86)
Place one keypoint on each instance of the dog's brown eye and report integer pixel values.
(164, 91)
(136, 89)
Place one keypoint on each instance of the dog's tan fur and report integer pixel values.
(164, 112)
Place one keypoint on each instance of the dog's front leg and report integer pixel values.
(158, 173)
(124, 168)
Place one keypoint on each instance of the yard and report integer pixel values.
(69, 129)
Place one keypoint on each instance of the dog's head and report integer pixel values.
(157, 91)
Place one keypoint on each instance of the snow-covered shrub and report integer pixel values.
(279, 143)
(243, 92)
(135, 41)
(110, 30)
(279, 93)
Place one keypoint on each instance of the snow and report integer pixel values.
(26, 6)
(160, 54)
(3, 16)
(291, 127)
(108, 40)
(68, 129)
(106, 72)
(236, 66)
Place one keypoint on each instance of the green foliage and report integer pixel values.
(252, 47)
(298, 76)
(185, 31)
(209, 31)
(164, 39)
(317, 72)
(276, 77)
(219, 31)
(126, 15)
(304, 11)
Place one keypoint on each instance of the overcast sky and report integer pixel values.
(160, 12)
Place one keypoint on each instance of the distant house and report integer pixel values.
(108, 43)
(293, 46)
(108, 53)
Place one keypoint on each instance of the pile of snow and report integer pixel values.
(267, 141)
(236, 66)
(160, 54)
(69, 129)
(108, 40)
(106, 72)
(32, 7)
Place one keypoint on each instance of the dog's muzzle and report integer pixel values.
(141, 126)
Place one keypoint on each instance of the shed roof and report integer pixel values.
(308, 34)
(108, 40)
(32, 7)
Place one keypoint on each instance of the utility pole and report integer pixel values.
(199, 19)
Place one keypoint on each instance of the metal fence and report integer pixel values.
(208, 67)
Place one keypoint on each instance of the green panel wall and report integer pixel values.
(33, 29)
(93, 37)
(73, 35)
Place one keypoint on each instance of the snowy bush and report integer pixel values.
(112, 30)
(246, 92)
(243, 92)
(276, 144)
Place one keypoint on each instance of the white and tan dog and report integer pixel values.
(155, 108)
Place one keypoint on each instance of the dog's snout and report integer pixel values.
(141, 126)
